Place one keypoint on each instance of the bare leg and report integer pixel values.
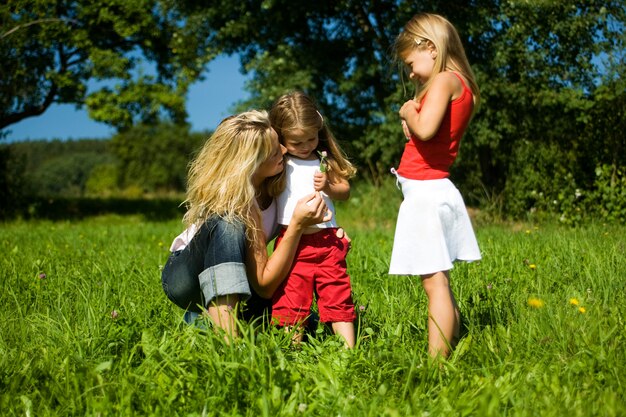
(222, 312)
(298, 333)
(345, 329)
(443, 314)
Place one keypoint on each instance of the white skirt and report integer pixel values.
(433, 229)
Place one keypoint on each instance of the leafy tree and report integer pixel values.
(11, 182)
(550, 75)
(155, 157)
(64, 175)
(539, 72)
(539, 64)
(103, 180)
(138, 56)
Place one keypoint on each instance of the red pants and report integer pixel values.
(320, 267)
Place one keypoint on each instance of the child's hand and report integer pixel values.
(320, 180)
(409, 108)
(405, 130)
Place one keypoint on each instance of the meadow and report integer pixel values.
(87, 330)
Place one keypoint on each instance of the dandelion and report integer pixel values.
(573, 301)
(532, 266)
(114, 314)
(535, 302)
(302, 407)
(489, 287)
(582, 310)
(323, 160)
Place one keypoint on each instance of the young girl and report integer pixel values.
(320, 261)
(433, 227)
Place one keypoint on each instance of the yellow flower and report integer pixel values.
(535, 302)
(573, 301)
(532, 266)
(583, 310)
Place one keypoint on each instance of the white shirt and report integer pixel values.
(300, 174)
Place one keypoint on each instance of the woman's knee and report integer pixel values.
(180, 284)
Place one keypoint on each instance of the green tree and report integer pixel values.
(539, 64)
(155, 157)
(138, 56)
(103, 180)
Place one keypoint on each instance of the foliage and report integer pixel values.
(547, 87)
(103, 180)
(127, 61)
(532, 59)
(142, 159)
(11, 183)
(155, 157)
(87, 329)
(57, 168)
(553, 89)
(608, 197)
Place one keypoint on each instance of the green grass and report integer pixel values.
(62, 351)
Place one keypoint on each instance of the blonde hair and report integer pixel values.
(430, 30)
(220, 176)
(296, 110)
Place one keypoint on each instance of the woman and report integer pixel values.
(221, 258)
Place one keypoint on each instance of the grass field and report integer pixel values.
(87, 331)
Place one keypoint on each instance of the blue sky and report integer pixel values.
(208, 102)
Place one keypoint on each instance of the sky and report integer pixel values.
(208, 102)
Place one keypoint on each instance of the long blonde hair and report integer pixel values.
(426, 29)
(220, 176)
(296, 110)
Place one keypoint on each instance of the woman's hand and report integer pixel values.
(310, 210)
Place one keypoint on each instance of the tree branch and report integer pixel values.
(37, 22)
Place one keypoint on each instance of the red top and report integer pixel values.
(431, 159)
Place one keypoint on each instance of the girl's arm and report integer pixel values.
(266, 273)
(425, 123)
(336, 188)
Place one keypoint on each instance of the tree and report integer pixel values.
(537, 62)
(155, 157)
(138, 56)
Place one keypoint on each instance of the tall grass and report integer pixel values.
(86, 329)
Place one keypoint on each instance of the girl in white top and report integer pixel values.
(314, 163)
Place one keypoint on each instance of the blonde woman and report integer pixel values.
(433, 228)
(221, 258)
